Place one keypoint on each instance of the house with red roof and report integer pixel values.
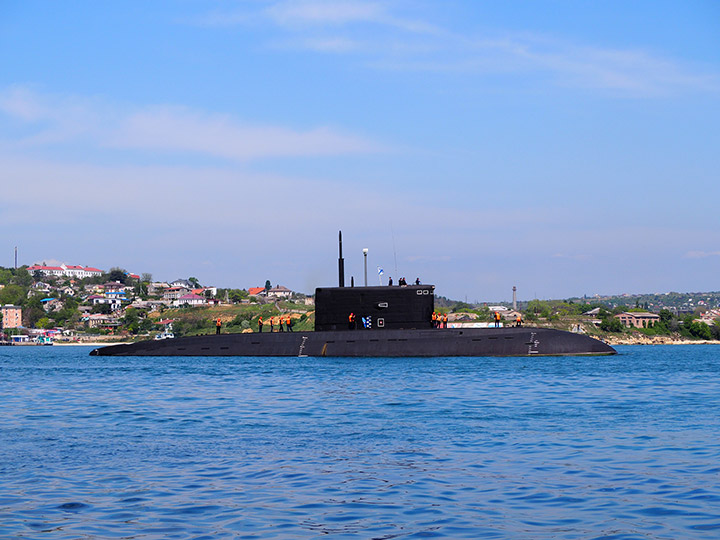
(65, 270)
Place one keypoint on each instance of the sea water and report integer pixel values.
(624, 447)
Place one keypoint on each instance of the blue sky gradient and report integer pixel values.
(567, 148)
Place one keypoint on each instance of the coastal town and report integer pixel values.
(56, 304)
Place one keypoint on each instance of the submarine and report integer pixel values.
(392, 321)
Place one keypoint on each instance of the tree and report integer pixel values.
(12, 294)
(146, 278)
(611, 324)
(105, 309)
(131, 320)
(23, 277)
(44, 323)
(117, 274)
(268, 285)
(194, 282)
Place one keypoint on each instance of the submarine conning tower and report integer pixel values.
(392, 307)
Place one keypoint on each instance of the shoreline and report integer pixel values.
(91, 344)
(656, 340)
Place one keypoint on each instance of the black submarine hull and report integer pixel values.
(523, 341)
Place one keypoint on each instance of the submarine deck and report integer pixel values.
(523, 341)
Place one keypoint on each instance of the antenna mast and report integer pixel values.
(341, 262)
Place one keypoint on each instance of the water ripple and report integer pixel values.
(613, 448)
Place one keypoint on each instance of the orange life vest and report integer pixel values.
(218, 323)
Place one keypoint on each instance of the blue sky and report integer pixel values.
(567, 148)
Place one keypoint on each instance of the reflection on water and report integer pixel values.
(612, 447)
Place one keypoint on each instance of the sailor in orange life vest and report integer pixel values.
(497, 319)
(260, 325)
(280, 326)
(518, 320)
(434, 320)
(288, 323)
(445, 319)
(272, 324)
(218, 324)
(351, 321)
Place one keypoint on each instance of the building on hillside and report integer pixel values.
(279, 292)
(65, 270)
(114, 302)
(190, 299)
(157, 288)
(51, 304)
(99, 320)
(709, 317)
(115, 286)
(182, 283)
(205, 291)
(638, 319)
(173, 293)
(40, 287)
(256, 291)
(67, 291)
(150, 305)
(11, 316)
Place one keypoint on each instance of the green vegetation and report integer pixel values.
(57, 302)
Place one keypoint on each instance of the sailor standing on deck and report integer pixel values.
(218, 324)
(288, 323)
(518, 320)
(351, 321)
(272, 324)
(444, 320)
(260, 325)
(497, 319)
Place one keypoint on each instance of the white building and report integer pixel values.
(190, 299)
(65, 271)
(279, 292)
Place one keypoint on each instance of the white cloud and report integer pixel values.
(60, 120)
(325, 12)
(179, 129)
(701, 254)
(391, 40)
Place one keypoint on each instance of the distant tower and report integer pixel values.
(15, 257)
(514, 298)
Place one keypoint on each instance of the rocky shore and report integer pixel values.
(655, 340)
